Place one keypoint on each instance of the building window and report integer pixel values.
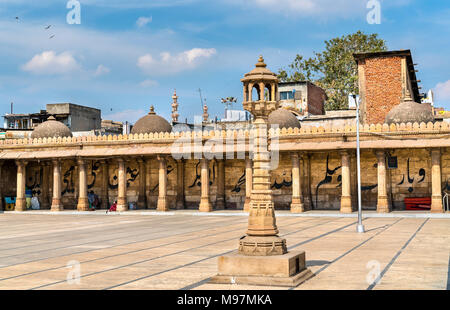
(286, 95)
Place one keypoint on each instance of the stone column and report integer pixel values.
(306, 161)
(142, 203)
(56, 199)
(105, 183)
(162, 197)
(383, 202)
(83, 204)
(220, 198)
(346, 198)
(180, 185)
(297, 205)
(436, 186)
(122, 204)
(21, 204)
(205, 203)
(248, 182)
(45, 186)
(2, 206)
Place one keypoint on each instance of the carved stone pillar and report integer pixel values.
(180, 185)
(83, 204)
(162, 197)
(307, 198)
(56, 193)
(105, 184)
(142, 203)
(248, 182)
(205, 203)
(21, 204)
(297, 205)
(346, 198)
(436, 186)
(2, 207)
(122, 204)
(382, 200)
(45, 186)
(220, 198)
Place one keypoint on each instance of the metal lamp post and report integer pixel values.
(360, 226)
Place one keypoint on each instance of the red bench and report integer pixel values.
(416, 203)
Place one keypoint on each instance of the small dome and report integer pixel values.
(51, 128)
(151, 123)
(284, 119)
(410, 112)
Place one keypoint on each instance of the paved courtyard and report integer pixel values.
(180, 250)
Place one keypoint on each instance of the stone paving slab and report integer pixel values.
(180, 251)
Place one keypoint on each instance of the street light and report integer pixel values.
(360, 226)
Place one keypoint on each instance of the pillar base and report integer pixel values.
(205, 205)
(56, 205)
(297, 206)
(162, 204)
(383, 205)
(288, 270)
(122, 204)
(21, 205)
(83, 204)
(436, 205)
(346, 205)
(262, 246)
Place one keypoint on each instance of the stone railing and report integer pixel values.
(408, 128)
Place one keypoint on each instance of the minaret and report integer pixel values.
(175, 107)
(262, 257)
(205, 113)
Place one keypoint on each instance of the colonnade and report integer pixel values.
(298, 195)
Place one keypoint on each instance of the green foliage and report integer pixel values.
(334, 69)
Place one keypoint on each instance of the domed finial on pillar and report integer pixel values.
(261, 62)
(175, 107)
(152, 110)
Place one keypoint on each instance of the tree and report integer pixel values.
(334, 69)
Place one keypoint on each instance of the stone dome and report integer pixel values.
(284, 119)
(151, 123)
(410, 112)
(51, 128)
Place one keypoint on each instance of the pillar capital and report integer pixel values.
(22, 163)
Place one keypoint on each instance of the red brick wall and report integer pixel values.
(383, 87)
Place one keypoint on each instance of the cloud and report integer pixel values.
(125, 116)
(49, 62)
(142, 21)
(101, 70)
(168, 63)
(149, 83)
(442, 91)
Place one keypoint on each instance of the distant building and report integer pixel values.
(302, 98)
(79, 119)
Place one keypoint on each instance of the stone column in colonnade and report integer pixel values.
(297, 205)
(382, 200)
(346, 198)
(122, 204)
(21, 204)
(142, 199)
(56, 199)
(162, 185)
(436, 185)
(45, 185)
(180, 200)
(104, 197)
(83, 203)
(205, 203)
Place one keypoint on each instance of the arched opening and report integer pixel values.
(255, 93)
(268, 92)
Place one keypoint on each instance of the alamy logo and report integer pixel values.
(374, 15)
(74, 15)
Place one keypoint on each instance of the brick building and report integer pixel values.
(383, 80)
